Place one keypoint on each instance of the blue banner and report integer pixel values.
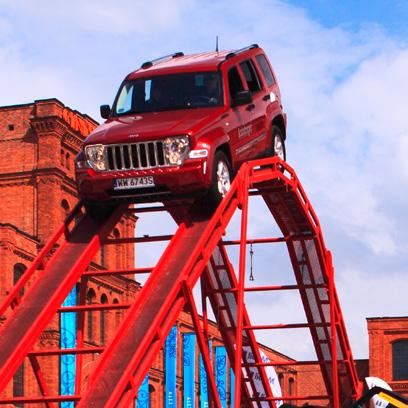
(170, 369)
(143, 394)
(189, 349)
(221, 374)
(232, 386)
(68, 340)
(203, 380)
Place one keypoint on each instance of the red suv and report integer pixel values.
(181, 125)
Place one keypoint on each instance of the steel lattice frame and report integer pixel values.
(196, 251)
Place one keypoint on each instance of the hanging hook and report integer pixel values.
(251, 253)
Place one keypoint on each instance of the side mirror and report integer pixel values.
(105, 111)
(242, 98)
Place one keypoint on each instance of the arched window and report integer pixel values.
(119, 249)
(18, 384)
(291, 386)
(118, 316)
(64, 208)
(18, 272)
(103, 325)
(280, 378)
(400, 360)
(90, 299)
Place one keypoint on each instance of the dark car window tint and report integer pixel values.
(189, 90)
(250, 76)
(266, 70)
(234, 82)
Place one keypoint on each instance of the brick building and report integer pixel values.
(38, 142)
(388, 346)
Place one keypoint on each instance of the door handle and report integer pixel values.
(266, 97)
(250, 107)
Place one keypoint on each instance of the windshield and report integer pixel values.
(169, 92)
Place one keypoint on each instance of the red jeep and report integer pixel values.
(182, 125)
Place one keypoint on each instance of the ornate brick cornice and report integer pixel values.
(24, 255)
(72, 141)
(52, 124)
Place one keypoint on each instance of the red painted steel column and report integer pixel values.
(243, 194)
(333, 327)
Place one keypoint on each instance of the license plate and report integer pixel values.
(133, 182)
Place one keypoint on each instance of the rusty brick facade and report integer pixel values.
(386, 334)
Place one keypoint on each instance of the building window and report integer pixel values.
(90, 299)
(119, 249)
(291, 386)
(64, 208)
(18, 384)
(400, 360)
(68, 161)
(118, 314)
(18, 272)
(103, 325)
(62, 157)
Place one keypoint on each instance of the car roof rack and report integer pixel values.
(149, 64)
(234, 53)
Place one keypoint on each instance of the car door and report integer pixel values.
(259, 139)
(239, 120)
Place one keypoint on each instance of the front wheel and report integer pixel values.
(220, 181)
(278, 143)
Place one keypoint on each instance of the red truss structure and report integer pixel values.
(195, 252)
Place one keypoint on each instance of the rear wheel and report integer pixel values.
(278, 143)
(220, 181)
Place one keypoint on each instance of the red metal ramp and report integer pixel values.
(313, 269)
(195, 251)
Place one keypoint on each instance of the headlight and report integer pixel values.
(95, 154)
(176, 149)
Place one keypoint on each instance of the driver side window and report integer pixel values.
(234, 82)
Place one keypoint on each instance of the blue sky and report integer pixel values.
(342, 70)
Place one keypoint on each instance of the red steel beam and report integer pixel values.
(19, 333)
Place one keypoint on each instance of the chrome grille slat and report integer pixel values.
(156, 156)
(122, 156)
(135, 156)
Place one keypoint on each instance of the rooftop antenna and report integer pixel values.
(216, 43)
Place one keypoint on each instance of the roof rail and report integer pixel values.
(234, 53)
(149, 64)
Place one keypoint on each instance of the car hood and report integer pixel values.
(150, 125)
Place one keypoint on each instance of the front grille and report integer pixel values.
(136, 156)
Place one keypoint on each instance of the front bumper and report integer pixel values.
(191, 178)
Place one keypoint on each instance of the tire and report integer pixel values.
(99, 212)
(278, 143)
(220, 181)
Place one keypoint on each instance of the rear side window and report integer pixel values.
(234, 82)
(265, 68)
(251, 76)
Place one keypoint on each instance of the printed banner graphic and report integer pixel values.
(143, 394)
(171, 367)
(68, 340)
(221, 374)
(203, 380)
(270, 373)
(189, 348)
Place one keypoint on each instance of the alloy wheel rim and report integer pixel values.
(278, 148)
(223, 178)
